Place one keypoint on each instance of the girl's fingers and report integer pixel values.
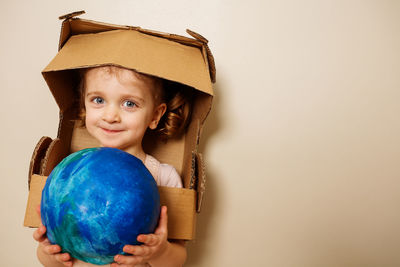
(149, 240)
(137, 250)
(129, 249)
(129, 260)
(64, 257)
(39, 234)
(163, 222)
(119, 265)
(52, 249)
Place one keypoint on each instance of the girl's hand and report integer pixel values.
(47, 249)
(153, 245)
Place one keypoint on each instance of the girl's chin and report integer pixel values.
(111, 145)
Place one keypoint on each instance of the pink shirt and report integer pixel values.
(164, 174)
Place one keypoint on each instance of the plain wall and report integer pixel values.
(302, 145)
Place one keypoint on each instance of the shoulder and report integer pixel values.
(164, 174)
(169, 176)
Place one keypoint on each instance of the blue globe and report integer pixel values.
(96, 201)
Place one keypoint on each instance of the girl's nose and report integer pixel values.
(111, 114)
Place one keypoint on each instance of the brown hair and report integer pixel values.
(179, 100)
(177, 97)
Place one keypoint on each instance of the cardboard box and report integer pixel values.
(187, 61)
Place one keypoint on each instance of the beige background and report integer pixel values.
(303, 143)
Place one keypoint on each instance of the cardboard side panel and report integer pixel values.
(66, 127)
(202, 107)
(190, 148)
(169, 152)
(181, 211)
(62, 84)
(32, 219)
(181, 205)
(81, 139)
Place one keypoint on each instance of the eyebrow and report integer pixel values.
(93, 93)
(137, 98)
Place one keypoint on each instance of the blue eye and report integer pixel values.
(129, 104)
(98, 100)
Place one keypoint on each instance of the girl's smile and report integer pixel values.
(111, 131)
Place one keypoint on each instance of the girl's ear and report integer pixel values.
(158, 113)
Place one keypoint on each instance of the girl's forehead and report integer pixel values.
(124, 77)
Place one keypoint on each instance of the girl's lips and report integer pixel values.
(111, 131)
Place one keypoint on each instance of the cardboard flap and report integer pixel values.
(72, 14)
(181, 205)
(38, 156)
(74, 26)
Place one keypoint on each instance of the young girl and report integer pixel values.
(118, 106)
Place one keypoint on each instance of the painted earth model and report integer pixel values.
(96, 201)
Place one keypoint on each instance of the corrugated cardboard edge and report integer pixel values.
(180, 203)
(72, 14)
(201, 180)
(38, 156)
(54, 154)
(210, 57)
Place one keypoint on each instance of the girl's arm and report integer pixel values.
(156, 249)
(174, 255)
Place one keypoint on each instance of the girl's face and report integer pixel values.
(119, 108)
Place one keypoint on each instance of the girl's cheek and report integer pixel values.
(90, 117)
